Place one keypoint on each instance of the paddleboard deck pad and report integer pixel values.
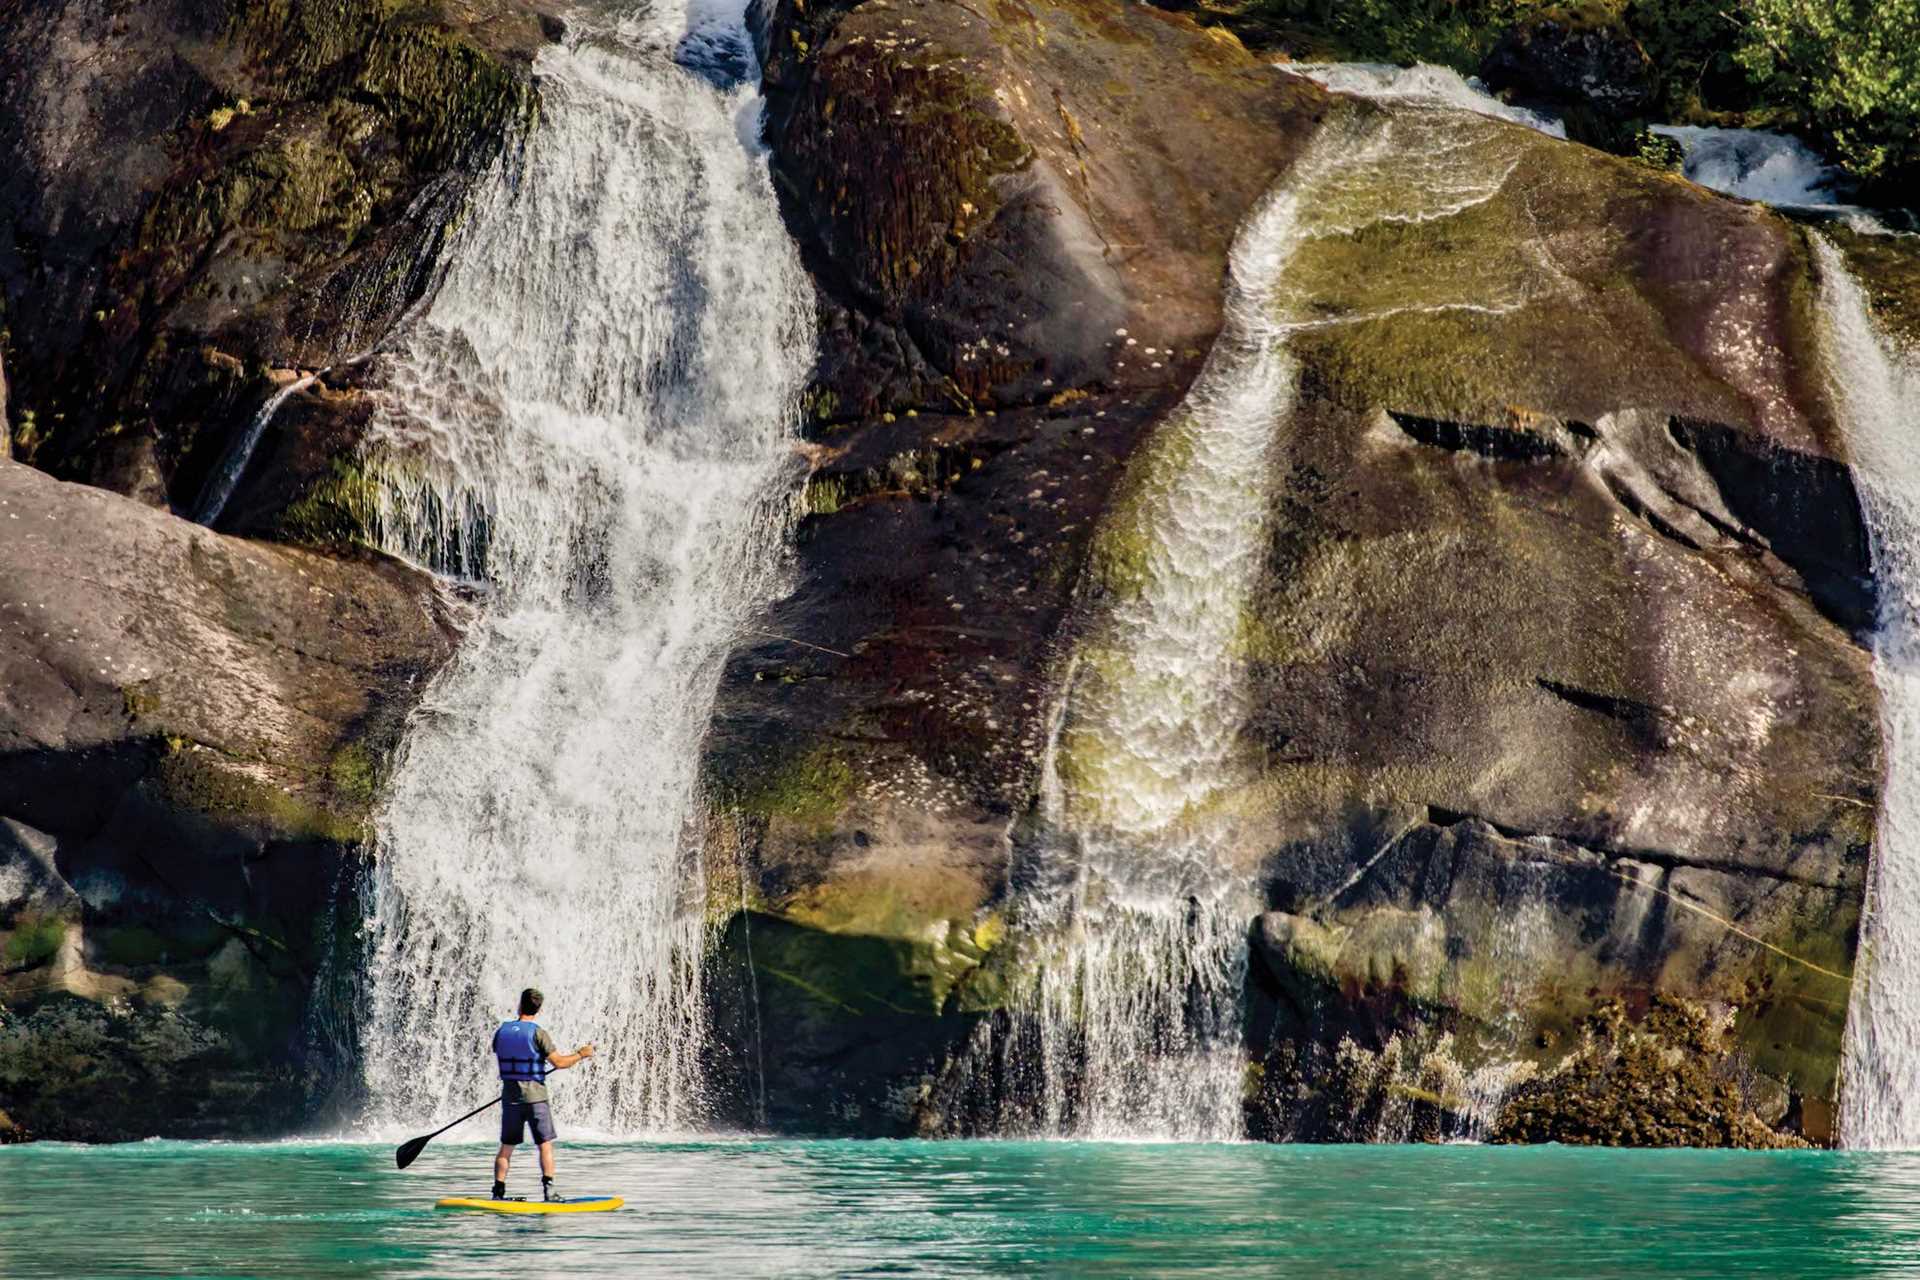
(573, 1204)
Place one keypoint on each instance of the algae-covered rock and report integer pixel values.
(191, 733)
(196, 194)
(1888, 269)
(1575, 625)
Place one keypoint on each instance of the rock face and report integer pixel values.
(1554, 793)
(1555, 665)
(192, 731)
(197, 202)
(1060, 280)
(195, 194)
(1572, 62)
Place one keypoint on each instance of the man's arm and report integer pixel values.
(561, 1061)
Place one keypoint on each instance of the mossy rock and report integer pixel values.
(32, 941)
(807, 790)
(138, 947)
(291, 211)
(197, 777)
(1888, 269)
(847, 973)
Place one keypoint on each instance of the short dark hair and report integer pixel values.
(530, 1002)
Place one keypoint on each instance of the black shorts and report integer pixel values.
(516, 1116)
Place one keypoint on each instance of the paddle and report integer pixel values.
(410, 1150)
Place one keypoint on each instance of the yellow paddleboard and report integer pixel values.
(578, 1204)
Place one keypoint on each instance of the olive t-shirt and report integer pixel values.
(529, 1090)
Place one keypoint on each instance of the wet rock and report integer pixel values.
(1888, 269)
(1662, 1079)
(1559, 619)
(1019, 257)
(1505, 941)
(1626, 640)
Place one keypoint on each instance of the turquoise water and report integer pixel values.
(964, 1208)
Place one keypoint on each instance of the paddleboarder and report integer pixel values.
(526, 1053)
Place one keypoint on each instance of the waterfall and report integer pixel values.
(1133, 1026)
(1423, 84)
(1754, 165)
(591, 421)
(233, 463)
(1877, 390)
(1144, 1001)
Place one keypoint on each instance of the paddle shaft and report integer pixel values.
(407, 1151)
(492, 1102)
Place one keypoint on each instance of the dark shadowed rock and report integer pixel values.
(194, 194)
(1594, 68)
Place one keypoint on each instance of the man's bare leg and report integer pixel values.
(546, 1158)
(500, 1163)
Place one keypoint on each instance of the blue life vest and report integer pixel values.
(520, 1058)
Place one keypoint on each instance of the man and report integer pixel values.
(526, 1053)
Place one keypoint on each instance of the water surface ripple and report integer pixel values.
(787, 1208)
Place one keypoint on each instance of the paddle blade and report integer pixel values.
(409, 1151)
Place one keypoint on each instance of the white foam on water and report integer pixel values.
(1134, 1025)
(1876, 386)
(592, 420)
(1754, 165)
(1421, 83)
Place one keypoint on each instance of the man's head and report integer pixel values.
(530, 1002)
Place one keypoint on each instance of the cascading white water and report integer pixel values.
(1134, 1024)
(1754, 165)
(592, 420)
(1776, 169)
(1877, 388)
(233, 463)
(1423, 84)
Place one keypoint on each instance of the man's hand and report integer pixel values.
(561, 1061)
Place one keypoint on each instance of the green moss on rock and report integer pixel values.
(929, 970)
(808, 790)
(33, 941)
(197, 777)
(342, 508)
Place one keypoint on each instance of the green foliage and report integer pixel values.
(1453, 33)
(1692, 44)
(1658, 150)
(339, 510)
(1852, 65)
